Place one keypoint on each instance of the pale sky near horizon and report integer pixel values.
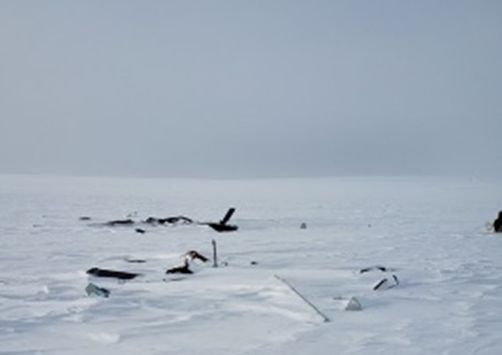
(251, 88)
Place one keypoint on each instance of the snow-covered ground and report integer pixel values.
(431, 233)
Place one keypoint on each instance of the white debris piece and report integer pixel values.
(353, 305)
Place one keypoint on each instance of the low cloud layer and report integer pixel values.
(251, 88)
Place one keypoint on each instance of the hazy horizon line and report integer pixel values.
(248, 177)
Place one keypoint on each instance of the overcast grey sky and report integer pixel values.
(251, 88)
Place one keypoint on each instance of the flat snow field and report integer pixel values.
(430, 233)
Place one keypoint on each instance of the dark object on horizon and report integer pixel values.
(180, 269)
(222, 225)
(122, 275)
(140, 231)
(85, 218)
(193, 255)
(169, 220)
(371, 268)
(497, 224)
(303, 225)
(120, 222)
(253, 262)
(92, 289)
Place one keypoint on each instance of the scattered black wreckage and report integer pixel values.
(385, 283)
(221, 226)
(151, 221)
(168, 220)
(352, 305)
(189, 256)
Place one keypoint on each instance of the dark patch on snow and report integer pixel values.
(137, 261)
(373, 268)
(497, 224)
(195, 255)
(222, 225)
(92, 289)
(168, 220)
(122, 275)
(120, 222)
(180, 269)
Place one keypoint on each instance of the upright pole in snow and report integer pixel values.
(215, 254)
(324, 317)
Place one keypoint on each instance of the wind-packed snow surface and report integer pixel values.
(430, 233)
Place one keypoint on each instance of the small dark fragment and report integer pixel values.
(137, 261)
(379, 284)
(193, 255)
(85, 218)
(180, 269)
(180, 278)
(388, 284)
(497, 224)
(122, 275)
(223, 227)
(303, 225)
(371, 268)
(254, 262)
(120, 222)
(140, 231)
